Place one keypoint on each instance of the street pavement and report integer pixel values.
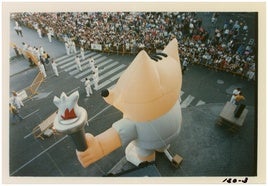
(207, 149)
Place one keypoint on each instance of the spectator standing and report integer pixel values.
(78, 64)
(88, 87)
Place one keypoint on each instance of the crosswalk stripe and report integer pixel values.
(110, 80)
(65, 56)
(187, 101)
(71, 60)
(106, 74)
(100, 71)
(68, 57)
(181, 93)
(89, 69)
(200, 102)
(83, 64)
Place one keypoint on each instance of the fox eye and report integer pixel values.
(158, 56)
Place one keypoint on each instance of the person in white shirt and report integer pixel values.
(78, 64)
(88, 87)
(18, 29)
(16, 101)
(67, 47)
(39, 33)
(73, 47)
(235, 93)
(54, 67)
(82, 53)
(42, 69)
(49, 36)
(92, 64)
(96, 81)
(96, 70)
(41, 50)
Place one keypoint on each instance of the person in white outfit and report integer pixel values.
(88, 87)
(67, 47)
(96, 81)
(78, 64)
(37, 53)
(49, 36)
(16, 101)
(54, 67)
(41, 50)
(82, 53)
(96, 70)
(92, 64)
(235, 93)
(39, 33)
(42, 69)
(73, 47)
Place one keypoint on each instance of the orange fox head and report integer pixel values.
(149, 87)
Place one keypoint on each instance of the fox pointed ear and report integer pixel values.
(172, 49)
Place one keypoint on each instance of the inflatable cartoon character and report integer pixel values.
(147, 94)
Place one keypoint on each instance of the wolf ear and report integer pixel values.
(172, 49)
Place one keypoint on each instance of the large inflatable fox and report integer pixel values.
(147, 94)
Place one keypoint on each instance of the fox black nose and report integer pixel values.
(105, 93)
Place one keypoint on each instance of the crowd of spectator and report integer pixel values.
(228, 48)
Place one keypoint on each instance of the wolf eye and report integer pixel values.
(158, 56)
